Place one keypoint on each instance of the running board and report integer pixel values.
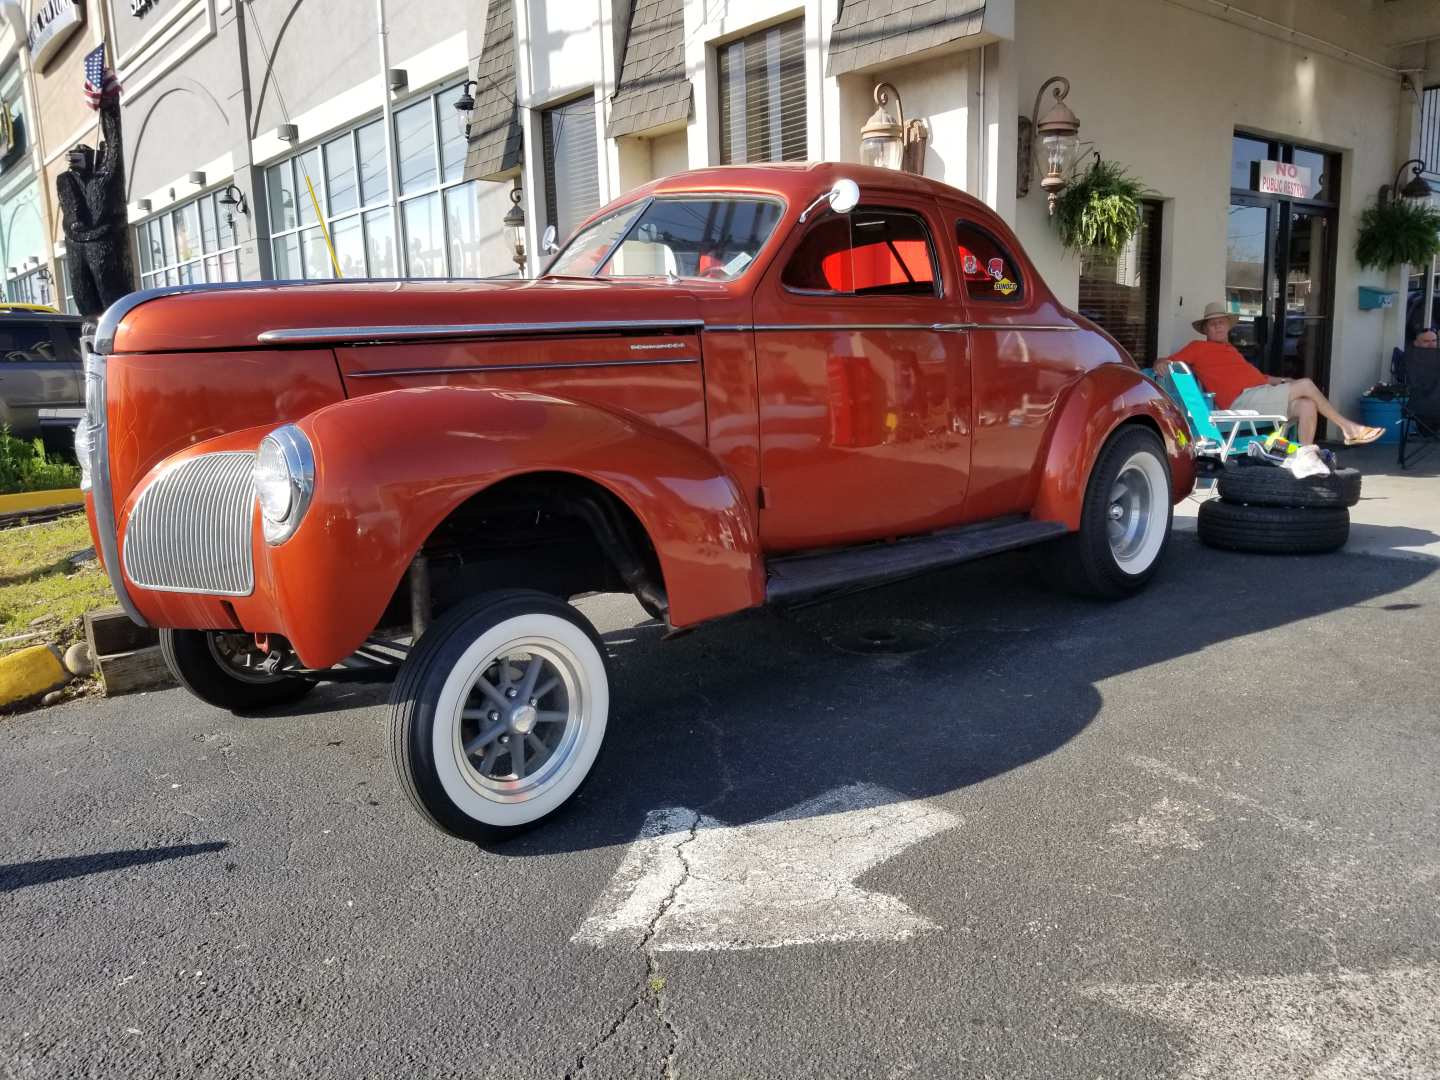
(795, 577)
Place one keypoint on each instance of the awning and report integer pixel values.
(653, 90)
(872, 32)
(496, 146)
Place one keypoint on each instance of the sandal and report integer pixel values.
(1367, 435)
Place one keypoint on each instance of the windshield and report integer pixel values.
(693, 236)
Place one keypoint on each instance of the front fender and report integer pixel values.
(390, 467)
(1102, 400)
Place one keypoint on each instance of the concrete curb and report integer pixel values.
(40, 500)
(28, 673)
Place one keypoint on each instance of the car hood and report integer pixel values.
(198, 318)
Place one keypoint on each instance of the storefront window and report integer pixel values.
(1121, 292)
(351, 184)
(187, 243)
(761, 79)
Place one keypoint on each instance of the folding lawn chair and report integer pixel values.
(1222, 433)
(1420, 411)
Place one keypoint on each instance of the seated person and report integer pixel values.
(1425, 338)
(1239, 384)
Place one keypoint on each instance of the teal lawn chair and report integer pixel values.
(1222, 433)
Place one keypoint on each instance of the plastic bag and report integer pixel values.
(1306, 461)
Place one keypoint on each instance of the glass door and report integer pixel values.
(1304, 343)
(1249, 263)
(1280, 255)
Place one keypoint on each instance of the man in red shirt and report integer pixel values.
(1239, 384)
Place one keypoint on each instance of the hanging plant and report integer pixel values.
(1100, 209)
(1398, 231)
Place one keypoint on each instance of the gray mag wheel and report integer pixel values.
(500, 713)
(1124, 523)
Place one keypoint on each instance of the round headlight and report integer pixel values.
(273, 487)
(284, 480)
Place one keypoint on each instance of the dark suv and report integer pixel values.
(41, 383)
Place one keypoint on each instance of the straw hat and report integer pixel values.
(1216, 310)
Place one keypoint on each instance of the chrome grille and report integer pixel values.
(190, 530)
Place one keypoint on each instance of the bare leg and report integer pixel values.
(1304, 413)
(1306, 391)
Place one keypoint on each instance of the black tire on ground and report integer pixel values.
(190, 658)
(1276, 530)
(1268, 485)
(440, 718)
(1086, 562)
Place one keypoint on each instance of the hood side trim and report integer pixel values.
(334, 335)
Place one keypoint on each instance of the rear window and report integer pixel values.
(26, 342)
(868, 252)
(988, 270)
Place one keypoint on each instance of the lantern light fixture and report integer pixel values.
(1059, 134)
(464, 105)
(1417, 187)
(514, 220)
(887, 141)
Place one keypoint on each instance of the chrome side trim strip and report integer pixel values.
(110, 321)
(939, 328)
(470, 369)
(334, 335)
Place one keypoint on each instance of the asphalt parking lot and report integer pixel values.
(961, 827)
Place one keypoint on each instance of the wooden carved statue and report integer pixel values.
(93, 214)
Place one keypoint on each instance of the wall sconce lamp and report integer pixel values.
(514, 220)
(1059, 131)
(197, 178)
(397, 79)
(287, 133)
(888, 141)
(44, 274)
(143, 205)
(1416, 188)
(233, 199)
(464, 105)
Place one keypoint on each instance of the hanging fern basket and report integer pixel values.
(1100, 210)
(1398, 231)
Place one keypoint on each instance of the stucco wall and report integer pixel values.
(1164, 99)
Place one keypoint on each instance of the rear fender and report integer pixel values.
(390, 467)
(1099, 403)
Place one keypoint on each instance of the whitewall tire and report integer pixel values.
(500, 713)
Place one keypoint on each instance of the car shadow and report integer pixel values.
(923, 687)
(14, 876)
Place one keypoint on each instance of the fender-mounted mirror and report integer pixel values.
(843, 197)
(547, 241)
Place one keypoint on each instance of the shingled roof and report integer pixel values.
(653, 89)
(495, 141)
(869, 32)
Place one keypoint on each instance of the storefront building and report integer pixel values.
(427, 138)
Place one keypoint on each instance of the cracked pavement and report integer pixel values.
(1201, 819)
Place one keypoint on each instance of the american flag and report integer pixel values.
(101, 84)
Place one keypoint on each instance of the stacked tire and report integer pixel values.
(1264, 508)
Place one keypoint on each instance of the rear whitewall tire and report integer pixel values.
(458, 771)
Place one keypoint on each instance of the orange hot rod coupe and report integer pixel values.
(732, 387)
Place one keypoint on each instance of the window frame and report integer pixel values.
(744, 40)
(548, 157)
(1021, 289)
(1153, 268)
(393, 202)
(936, 264)
(158, 275)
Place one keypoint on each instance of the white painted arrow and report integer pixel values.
(690, 882)
(1345, 1026)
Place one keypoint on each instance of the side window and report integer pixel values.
(867, 252)
(988, 270)
(26, 342)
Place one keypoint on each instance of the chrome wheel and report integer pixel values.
(501, 719)
(520, 720)
(239, 657)
(1137, 512)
